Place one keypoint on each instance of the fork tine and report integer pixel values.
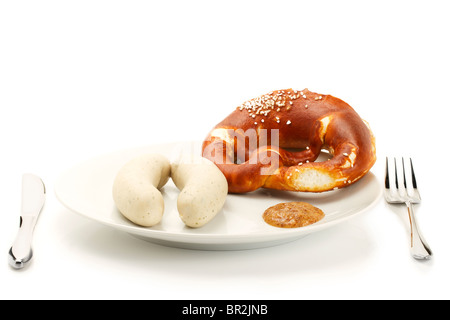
(416, 194)
(404, 175)
(396, 175)
(387, 183)
(414, 183)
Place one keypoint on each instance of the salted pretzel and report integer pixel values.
(292, 128)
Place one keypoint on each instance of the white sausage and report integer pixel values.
(135, 189)
(203, 190)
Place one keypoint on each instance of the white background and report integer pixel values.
(82, 78)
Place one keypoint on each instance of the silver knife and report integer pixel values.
(33, 199)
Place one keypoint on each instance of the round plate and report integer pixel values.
(87, 190)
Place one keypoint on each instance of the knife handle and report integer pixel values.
(21, 252)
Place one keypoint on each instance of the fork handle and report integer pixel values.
(419, 248)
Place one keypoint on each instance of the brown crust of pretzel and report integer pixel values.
(306, 121)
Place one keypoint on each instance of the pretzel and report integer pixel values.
(291, 128)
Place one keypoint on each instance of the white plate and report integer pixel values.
(87, 190)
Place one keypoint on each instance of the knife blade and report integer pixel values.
(33, 199)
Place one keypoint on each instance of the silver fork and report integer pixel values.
(407, 194)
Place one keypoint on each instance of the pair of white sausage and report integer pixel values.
(203, 189)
